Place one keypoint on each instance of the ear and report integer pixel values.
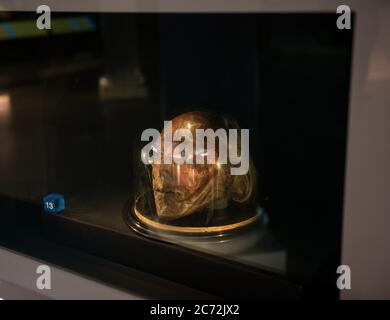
(243, 185)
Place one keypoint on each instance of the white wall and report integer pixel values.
(366, 238)
(18, 276)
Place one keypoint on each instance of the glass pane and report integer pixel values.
(73, 110)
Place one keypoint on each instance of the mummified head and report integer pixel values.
(183, 189)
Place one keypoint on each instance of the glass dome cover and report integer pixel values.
(197, 193)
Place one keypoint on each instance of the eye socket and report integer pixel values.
(154, 150)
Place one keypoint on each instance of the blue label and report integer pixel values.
(53, 203)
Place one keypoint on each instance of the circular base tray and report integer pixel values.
(224, 224)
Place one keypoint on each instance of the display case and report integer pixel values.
(73, 117)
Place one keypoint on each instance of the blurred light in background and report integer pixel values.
(27, 28)
(104, 82)
(5, 106)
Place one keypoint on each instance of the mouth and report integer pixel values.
(169, 193)
(159, 190)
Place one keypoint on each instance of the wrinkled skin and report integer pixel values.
(181, 190)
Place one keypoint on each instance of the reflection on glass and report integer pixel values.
(5, 107)
(191, 190)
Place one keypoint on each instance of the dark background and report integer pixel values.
(283, 76)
